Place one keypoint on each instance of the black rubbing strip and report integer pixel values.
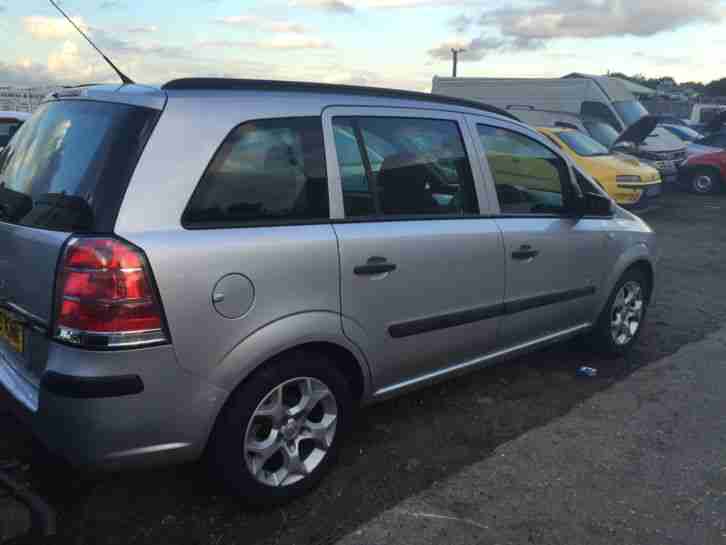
(417, 327)
(445, 321)
(512, 307)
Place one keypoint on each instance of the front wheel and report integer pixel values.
(621, 321)
(280, 432)
(704, 182)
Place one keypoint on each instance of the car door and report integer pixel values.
(555, 260)
(422, 271)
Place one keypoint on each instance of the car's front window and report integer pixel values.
(582, 144)
(630, 111)
(684, 133)
(602, 132)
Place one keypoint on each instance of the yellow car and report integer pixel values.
(626, 179)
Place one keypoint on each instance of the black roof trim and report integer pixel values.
(229, 84)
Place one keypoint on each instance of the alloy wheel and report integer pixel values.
(627, 313)
(703, 183)
(290, 432)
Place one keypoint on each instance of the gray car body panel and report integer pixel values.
(302, 289)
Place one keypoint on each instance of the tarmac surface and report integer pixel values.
(400, 448)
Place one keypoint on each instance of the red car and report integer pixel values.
(706, 173)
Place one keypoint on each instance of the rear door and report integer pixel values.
(555, 261)
(64, 173)
(421, 269)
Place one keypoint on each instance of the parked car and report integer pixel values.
(603, 103)
(705, 174)
(211, 279)
(693, 139)
(703, 114)
(626, 179)
(9, 124)
(666, 119)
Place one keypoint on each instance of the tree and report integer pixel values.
(716, 88)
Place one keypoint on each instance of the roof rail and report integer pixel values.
(230, 84)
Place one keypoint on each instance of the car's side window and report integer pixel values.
(394, 166)
(601, 112)
(529, 178)
(265, 172)
(717, 140)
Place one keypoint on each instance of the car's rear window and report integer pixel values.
(68, 166)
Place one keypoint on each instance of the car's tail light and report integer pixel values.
(105, 296)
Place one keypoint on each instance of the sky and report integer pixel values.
(392, 43)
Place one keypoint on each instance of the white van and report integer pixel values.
(600, 102)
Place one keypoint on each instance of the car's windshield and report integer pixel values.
(602, 132)
(630, 111)
(685, 133)
(582, 144)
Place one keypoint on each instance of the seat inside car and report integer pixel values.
(403, 184)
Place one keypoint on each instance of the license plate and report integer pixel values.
(11, 331)
(653, 191)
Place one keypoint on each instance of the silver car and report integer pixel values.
(233, 266)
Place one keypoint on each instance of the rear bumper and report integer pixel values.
(115, 409)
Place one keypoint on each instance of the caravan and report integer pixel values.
(598, 105)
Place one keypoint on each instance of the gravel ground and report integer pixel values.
(400, 447)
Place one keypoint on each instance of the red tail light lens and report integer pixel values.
(105, 296)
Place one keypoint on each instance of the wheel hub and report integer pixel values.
(290, 430)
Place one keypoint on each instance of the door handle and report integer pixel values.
(524, 253)
(375, 265)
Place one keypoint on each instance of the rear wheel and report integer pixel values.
(280, 432)
(704, 181)
(621, 321)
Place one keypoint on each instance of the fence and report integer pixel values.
(22, 99)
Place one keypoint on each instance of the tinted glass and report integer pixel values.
(67, 168)
(600, 112)
(529, 178)
(716, 140)
(630, 111)
(685, 133)
(582, 144)
(269, 171)
(403, 167)
(7, 130)
(602, 132)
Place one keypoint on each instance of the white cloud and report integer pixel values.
(290, 42)
(337, 6)
(474, 49)
(592, 19)
(51, 28)
(349, 6)
(143, 29)
(271, 25)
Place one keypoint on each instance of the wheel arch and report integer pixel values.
(314, 331)
(638, 257)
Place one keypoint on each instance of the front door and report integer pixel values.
(554, 261)
(422, 273)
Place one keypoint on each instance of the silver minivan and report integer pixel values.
(231, 267)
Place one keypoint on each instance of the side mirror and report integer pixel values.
(595, 204)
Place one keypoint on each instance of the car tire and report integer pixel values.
(704, 181)
(264, 454)
(621, 322)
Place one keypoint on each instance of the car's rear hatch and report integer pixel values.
(64, 173)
